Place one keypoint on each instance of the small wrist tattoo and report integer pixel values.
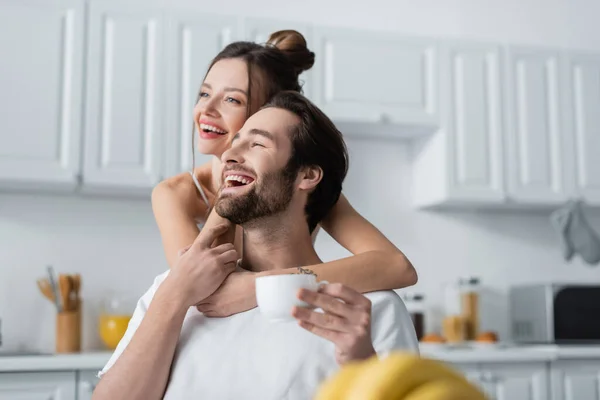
(305, 271)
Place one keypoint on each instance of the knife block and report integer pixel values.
(68, 331)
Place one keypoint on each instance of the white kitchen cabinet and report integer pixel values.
(40, 92)
(463, 163)
(86, 383)
(583, 85)
(576, 380)
(471, 371)
(538, 162)
(192, 42)
(258, 30)
(516, 381)
(37, 386)
(124, 103)
(377, 84)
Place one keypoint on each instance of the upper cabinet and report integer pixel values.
(583, 77)
(40, 92)
(124, 103)
(462, 164)
(192, 42)
(491, 125)
(376, 84)
(538, 160)
(259, 30)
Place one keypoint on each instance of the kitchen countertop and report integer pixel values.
(54, 362)
(456, 354)
(508, 352)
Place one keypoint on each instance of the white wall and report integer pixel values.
(115, 243)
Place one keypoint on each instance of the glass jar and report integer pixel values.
(470, 292)
(453, 324)
(114, 319)
(415, 305)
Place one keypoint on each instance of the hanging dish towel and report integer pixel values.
(577, 235)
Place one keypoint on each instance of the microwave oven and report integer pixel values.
(555, 313)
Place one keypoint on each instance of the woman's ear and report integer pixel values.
(310, 177)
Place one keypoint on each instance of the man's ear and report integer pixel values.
(310, 177)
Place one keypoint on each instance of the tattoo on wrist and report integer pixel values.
(305, 271)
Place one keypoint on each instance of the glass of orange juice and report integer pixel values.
(114, 319)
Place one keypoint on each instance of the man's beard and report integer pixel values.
(268, 197)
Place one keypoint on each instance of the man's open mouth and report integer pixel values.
(237, 180)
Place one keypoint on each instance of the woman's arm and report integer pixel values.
(377, 264)
(176, 203)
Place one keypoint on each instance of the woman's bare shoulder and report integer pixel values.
(179, 190)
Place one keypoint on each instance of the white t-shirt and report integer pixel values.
(246, 356)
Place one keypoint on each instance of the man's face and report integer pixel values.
(257, 181)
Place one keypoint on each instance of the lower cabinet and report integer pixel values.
(576, 380)
(38, 385)
(86, 383)
(62, 385)
(509, 381)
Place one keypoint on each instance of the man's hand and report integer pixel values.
(346, 323)
(201, 269)
(237, 294)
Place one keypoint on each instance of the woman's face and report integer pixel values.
(221, 109)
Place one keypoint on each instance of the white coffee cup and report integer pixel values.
(276, 295)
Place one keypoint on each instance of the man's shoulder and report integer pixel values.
(392, 327)
(385, 298)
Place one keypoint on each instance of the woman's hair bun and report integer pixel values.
(293, 45)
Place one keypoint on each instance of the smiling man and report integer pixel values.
(281, 176)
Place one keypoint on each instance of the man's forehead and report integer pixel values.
(275, 121)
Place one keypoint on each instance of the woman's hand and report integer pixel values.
(237, 294)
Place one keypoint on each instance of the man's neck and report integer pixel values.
(270, 244)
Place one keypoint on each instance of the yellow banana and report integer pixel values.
(397, 376)
(338, 387)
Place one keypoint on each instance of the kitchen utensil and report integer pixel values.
(46, 289)
(76, 281)
(53, 284)
(64, 283)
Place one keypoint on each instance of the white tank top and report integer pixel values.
(199, 188)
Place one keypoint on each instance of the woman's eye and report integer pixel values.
(232, 100)
(203, 94)
(256, 144)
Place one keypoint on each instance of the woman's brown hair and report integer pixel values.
(272, 67)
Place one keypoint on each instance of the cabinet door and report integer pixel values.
(41, 43)
(576, 380)
(522, 381)
(473, 123)
(37, 386)
(536, 161)
(363, 79)
(584, 86)
(471, 372)
(86, 383)
(123, 145)
(193, 41)
(258, 31)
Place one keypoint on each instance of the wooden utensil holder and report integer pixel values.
(68, 331)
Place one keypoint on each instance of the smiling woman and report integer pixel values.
(239, 81)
